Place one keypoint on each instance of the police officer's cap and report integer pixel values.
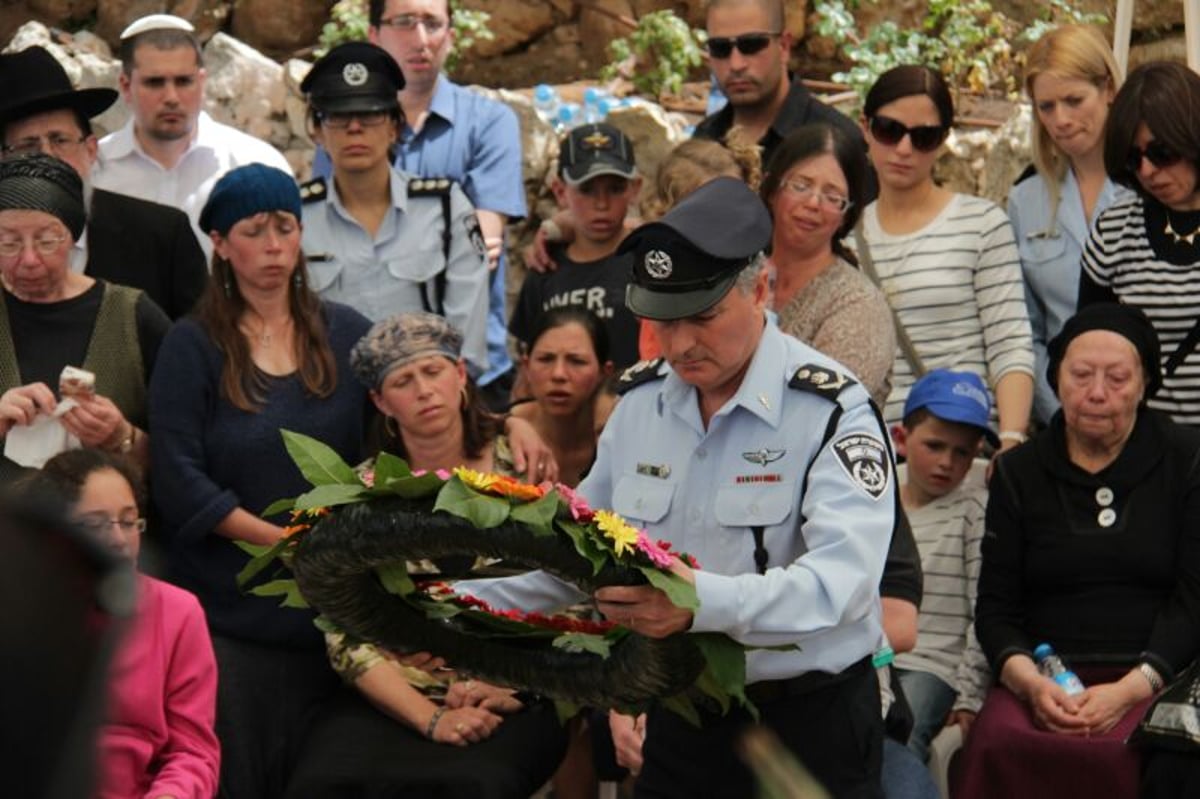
(684, 263)
(354, 77)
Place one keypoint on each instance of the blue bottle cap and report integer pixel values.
(591, 94)
(543, 92)
(1042, 651)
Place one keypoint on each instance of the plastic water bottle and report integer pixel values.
(546, 103)
(568, 117)
(1052, 666)
(595, 105)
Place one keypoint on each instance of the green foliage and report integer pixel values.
(348, 23)
(658, 55)
(967, 40)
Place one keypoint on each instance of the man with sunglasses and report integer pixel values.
(748, 48)
(171, 151)
(451, 131)
(127, 240)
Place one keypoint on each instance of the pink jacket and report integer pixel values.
(159, 739)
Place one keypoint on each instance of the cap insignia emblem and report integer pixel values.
(355, 74)
(658, 264)
(597, 141)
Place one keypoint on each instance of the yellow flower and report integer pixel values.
(476, 480)
(616, 529)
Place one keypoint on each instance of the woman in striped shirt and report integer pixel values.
(946, 262)
(1146, 252)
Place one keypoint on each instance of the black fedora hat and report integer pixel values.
(36, 82)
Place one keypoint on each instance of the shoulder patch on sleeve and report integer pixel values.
(475, 234)
(638, 373)
(313, 190)
(866, 461)
(429, 187)
(820, 380)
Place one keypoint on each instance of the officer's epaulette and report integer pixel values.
(820, 380)
(638, 373)
(1025, 175)
(429, 187)
(313, 190)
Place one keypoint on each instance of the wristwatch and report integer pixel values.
(1152, 676)
(126, 445)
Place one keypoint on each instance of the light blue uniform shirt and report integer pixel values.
(476, 141)
(1051, 251)
(382, 276)
(827, 511)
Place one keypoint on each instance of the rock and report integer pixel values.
(63, 10)
(280, 27)
(113, 16)
(515, 24)
(986, 161)
(247, 90)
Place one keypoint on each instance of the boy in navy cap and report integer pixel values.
(597, 180)
(943, 493)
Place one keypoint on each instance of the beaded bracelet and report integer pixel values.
(433, 721)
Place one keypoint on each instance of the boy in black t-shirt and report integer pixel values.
(597, 180)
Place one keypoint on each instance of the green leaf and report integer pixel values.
(539, 515)
(681, 704)
(565, 710)
(583, 642)
(331, 494)
(264, 557)
(389, 467)
(410, 487)
(466, 503)
(395, 579)
(726, 661)
(681, 593)
(292, 598)
(319, 464)
(585, 545)
(278, 506)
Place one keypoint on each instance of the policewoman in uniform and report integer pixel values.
(765, 460)
(377, 239)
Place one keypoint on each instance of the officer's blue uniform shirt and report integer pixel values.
(383, 276)
(476, 141)
(826, 529)
(1051, 249)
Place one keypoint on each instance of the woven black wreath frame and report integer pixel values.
(335, 567)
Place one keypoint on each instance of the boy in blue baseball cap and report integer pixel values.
(943, 493)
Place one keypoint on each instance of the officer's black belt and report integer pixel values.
(768, 691)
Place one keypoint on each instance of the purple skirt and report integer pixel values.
(1006, 756)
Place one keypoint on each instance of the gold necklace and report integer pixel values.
(1180, 238)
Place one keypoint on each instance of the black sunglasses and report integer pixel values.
(891, 132)
(1156, 152)
(721, 47)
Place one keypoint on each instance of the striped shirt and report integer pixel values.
(1121, 264)
(948, 532)
(956, 286)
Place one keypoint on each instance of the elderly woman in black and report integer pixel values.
(1092, 546)
(51, 317)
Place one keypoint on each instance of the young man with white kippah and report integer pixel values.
(171, 151)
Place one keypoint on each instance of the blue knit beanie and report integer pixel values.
(246, 191)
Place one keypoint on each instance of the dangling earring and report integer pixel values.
(228, 288)
(297, 280)
(391, 427)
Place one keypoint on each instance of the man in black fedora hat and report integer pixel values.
(127, 240)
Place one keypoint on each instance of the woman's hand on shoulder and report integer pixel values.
(21, 405)
(531, 456)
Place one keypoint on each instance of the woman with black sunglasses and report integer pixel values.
(1146, 252)
(946, 262)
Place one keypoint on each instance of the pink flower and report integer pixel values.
(578, 506)
(657, 555)
(368, 478)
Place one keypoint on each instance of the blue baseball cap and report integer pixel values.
(954, 397)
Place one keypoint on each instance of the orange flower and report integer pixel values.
(292, 529)
(510, 487)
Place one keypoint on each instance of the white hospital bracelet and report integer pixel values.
(1013, 435)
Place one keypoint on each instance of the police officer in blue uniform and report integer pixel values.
(376, 238)
(765, 460)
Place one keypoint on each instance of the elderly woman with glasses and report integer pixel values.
(1146, 252)
(814, 187)
(946, 261)
(51, 317)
